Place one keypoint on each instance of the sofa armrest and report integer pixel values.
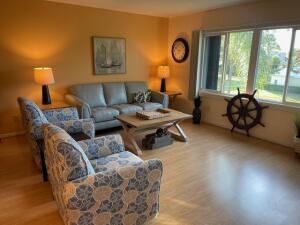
(80, 125)
(102, 146)
(83, 108)
(160, 98)
(91, 198)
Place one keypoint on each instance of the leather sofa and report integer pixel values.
(97, 182)
(104, 101)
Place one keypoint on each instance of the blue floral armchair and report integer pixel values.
(97, 182)
(33, 119)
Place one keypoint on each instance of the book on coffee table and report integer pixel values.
(155, 114)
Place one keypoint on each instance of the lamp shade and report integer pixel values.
(43, 75)
(163, 71)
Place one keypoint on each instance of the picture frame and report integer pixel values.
(109, 55)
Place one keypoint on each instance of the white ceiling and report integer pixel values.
(164, 8)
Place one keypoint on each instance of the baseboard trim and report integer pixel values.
(11, 134)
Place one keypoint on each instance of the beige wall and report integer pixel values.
(278, 120)
(40, 33)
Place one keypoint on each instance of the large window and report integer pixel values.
(267, 60)
(227, 59)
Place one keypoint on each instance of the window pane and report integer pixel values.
(293, 91)
(272, 63)
(237, 63)
(214, 65)
(221, 62)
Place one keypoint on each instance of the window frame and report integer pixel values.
(254, 55)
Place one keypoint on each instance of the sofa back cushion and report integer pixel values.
(65, 159)
(90, 93)
(115, 93)
(133, 87)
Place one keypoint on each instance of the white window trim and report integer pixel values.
(252, 64)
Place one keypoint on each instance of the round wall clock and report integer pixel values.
(180, 50)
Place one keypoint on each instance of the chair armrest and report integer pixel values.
(160, 98)
(129, 194)
(81, 125)
(102, 146)
(61, 114)
(83, 108)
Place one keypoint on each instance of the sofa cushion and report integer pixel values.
(134, 87)
(150, 105)
(115, 93)
(115, 161)
(90, 93)
(101, 114)
(127, 108)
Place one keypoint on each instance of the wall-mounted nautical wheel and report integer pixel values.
(244, 112)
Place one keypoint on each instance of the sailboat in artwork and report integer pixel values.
(115, 55)
(108, 58)
(101, 57)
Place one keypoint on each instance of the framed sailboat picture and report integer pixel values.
(109, 55)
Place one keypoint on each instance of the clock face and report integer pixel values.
(180, 50)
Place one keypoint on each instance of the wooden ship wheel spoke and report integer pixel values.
(244, 112)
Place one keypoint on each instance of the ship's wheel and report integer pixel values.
(244, 112)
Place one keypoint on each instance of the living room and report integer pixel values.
(82, 73)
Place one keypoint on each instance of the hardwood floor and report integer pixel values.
(218, 178)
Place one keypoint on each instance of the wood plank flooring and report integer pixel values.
(218, 178)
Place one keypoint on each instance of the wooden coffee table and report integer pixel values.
(133, 125)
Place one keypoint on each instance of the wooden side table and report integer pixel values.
(54, 105)
(172, 96)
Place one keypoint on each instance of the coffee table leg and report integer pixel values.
(180, 135)
(134, 146)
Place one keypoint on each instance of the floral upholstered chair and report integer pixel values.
(97, 182)
(33, 119)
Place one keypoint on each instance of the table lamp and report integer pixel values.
(163, 73)
(44, 76)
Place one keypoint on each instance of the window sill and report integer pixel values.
(274, 105)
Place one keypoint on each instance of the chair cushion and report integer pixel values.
(64, 157)
(91, 93)
(127, 108)
(101, 114)
(33, 114)
(115, 161)
(134, 87)
(33, 118)
(115, 93)
(150, 105)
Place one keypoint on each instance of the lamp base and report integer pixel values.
(163, 85)
(46, 99)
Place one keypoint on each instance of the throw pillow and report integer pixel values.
(142, 97)
(147, 95)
